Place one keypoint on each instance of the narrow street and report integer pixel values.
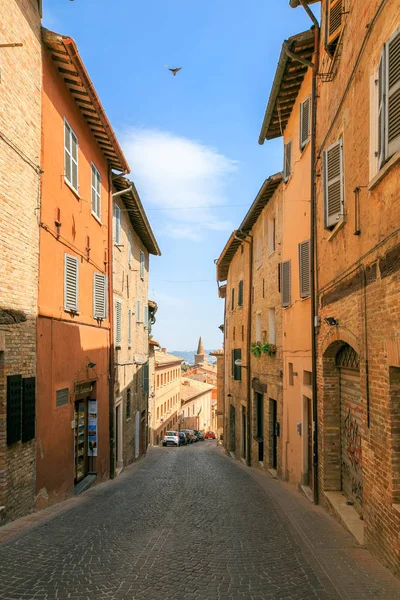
(188, 523)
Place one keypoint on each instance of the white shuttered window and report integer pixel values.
(142, 264)
(304, 269)
(287, 160)
(138, 311)
(99, 295)
(96, 181)
(118, 323)
(117, 224)
(146, 316)
(304, 122)
(70, 156)
(333, 184)
(70, 282)
(286, 283)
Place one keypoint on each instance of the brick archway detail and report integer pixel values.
(335, 338)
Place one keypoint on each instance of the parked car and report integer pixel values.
(189, 435)
(183, 438)
(200, 435)
(171, 437)
(210, 435)
(194, 436)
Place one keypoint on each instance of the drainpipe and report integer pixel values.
(248, 361)
(111, 324)
(313, 246)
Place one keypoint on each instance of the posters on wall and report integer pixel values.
(92, 428)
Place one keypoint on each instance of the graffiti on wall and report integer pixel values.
(353, 438)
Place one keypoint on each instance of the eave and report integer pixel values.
(287, 82)
(69, 64)
(296, 3)
(137, 214)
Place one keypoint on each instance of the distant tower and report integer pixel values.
(201, 356)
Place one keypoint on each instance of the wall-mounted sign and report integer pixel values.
(92, 428)
(82, 389)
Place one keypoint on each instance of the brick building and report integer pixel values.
(167, 394)
(74, 347)
(20, 148)
(253, 382)
(134, 241)
(288, 115)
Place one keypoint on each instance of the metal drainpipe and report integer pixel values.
(249, 411)
(111, 323)
(313, 247)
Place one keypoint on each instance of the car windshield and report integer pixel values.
(171, 433)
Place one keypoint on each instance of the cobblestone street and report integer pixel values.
(187, 523)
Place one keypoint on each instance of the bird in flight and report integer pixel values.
(174, 71)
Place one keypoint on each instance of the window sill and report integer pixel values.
(339, 225)
(71, 187)
(97, 218)
(74, 313)
(384, 170)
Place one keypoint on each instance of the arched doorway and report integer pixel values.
(351, 425)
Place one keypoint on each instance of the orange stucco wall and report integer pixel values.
(296, 319)
(66, 342)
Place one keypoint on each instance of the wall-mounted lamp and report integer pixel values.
(331, 321)
(229, 395)
(238, 363)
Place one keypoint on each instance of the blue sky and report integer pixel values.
(191, 140)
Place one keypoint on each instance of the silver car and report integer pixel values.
(171, 437)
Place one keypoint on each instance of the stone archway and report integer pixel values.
(341, 418)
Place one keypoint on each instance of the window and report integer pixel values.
(389, 100)
(162, 410)
(118, 323)
(96, 181)
(128, 403)
(233, 334)
(138, 311)
(129, 327)
(146, 316)
(286, 283)
(99, 295)
(70, 156)
(272, 326)
(271, 236)
(259, 251)
(130, 248)
(258, 327)
(287, 160)
(334, 24)
(158, 413)
(291, 377)
(236, 370)
(145, 381)
(233, 298)
(305, 122)
(70, 283)
(305, 269)
(158, 381)
(117, 225)
(333, 184)
(142, 265)
(21, 409)
(307, 377)
(240, 293)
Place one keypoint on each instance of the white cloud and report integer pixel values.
(175, 173)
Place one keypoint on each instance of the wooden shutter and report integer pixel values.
(117, 224)
(333, 183)
(129, 248)
(28, 408)
(137, 311)
(287, 160)
(233, 298)
(14, 408)
(99, 296)
(146, 316)
(118, 323)
(335, 19)
(286, 283)
(145, 372)
(240, 293)
(305, 272)
(381, 110)
(142, 258)
(62, 396)
(70, 282)
(129, 327)
(304, 122)
(393, 94)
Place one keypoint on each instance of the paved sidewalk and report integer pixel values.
(187, 523)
